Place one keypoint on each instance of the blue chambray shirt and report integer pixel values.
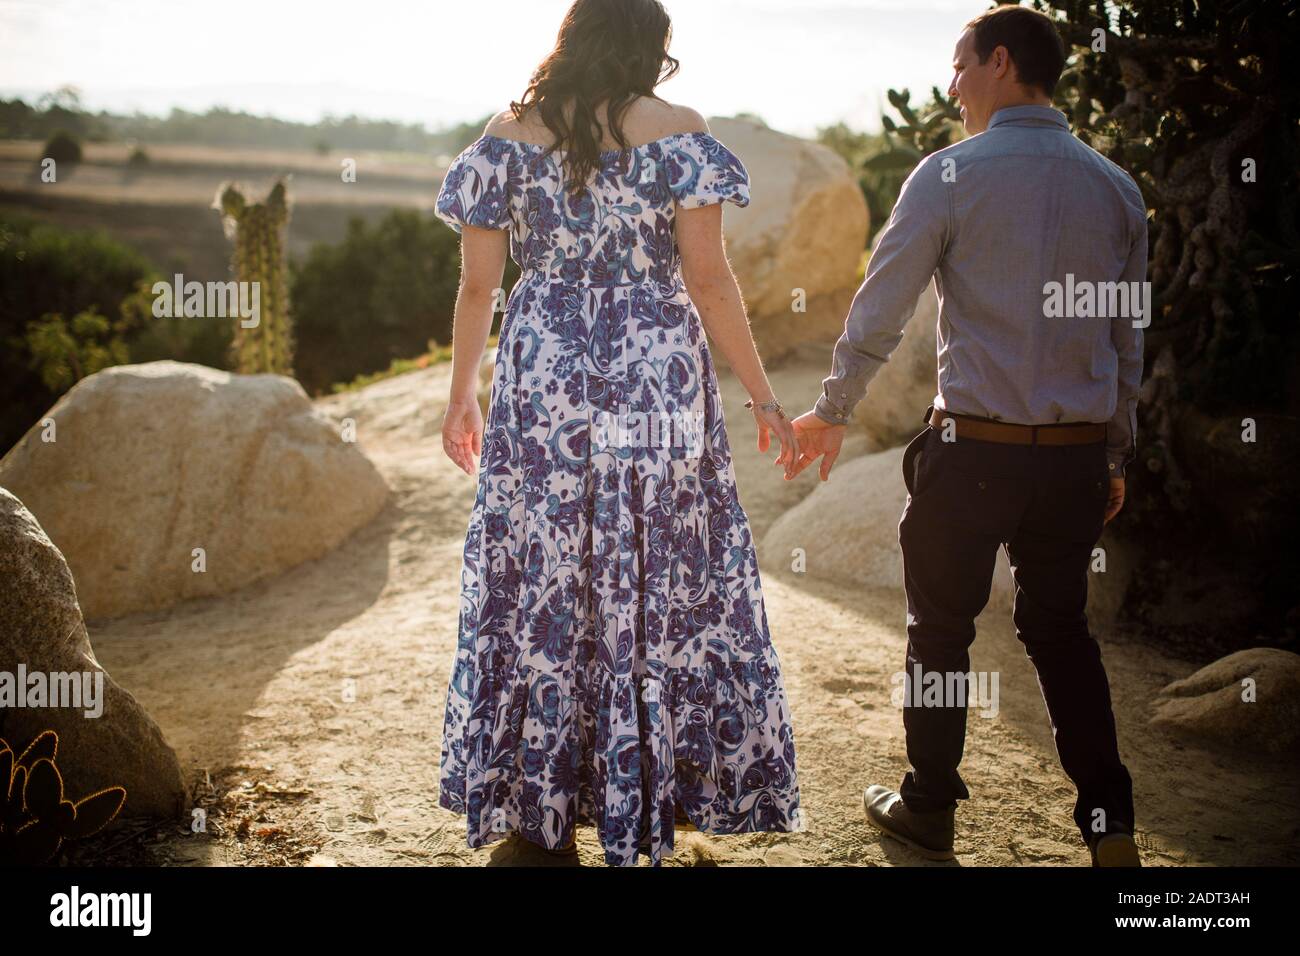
(994, 219)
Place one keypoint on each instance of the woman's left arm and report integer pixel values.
(483, 263)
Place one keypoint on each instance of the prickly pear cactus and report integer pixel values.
(35, 816)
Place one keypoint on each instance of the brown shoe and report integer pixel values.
(929, 834)
(518, 850)
(569, 849)
(1114, 849)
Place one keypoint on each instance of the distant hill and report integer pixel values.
(223, 127)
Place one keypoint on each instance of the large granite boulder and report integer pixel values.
(805, 228)
(111, 741)
(1250, 699)
(138, 466)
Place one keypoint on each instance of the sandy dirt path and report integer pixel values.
(251, 689)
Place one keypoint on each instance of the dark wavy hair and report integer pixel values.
(607, 51)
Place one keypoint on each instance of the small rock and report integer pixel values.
(1212, 704)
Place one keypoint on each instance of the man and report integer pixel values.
(1034, 420)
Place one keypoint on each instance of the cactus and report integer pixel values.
(919, 136)
(258, 231)
(1198, 101)
(35, 818)
(1180, 96)
(923, 130)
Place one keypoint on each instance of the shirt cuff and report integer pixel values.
(830, 413)
(1116, 462)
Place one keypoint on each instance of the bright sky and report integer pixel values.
(799, 65)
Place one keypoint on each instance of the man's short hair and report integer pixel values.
(1031, 39)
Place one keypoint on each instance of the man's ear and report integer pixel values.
(1001, 62)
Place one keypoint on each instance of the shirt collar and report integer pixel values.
(1029, 116)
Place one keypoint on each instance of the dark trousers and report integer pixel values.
(1045, 505)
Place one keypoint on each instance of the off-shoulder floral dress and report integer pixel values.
(613, 662)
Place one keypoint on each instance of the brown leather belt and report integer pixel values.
(1072, 433)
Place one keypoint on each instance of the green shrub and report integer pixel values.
(62, 147)
(69, 303)
(378, 296)
(65, 352)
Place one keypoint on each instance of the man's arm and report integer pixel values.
(1121, 432)
(906, 255)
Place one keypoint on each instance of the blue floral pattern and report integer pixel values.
(613, 662)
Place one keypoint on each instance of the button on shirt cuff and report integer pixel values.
(830, 413)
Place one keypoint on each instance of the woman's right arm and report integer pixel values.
(483, 262)
(712, 287)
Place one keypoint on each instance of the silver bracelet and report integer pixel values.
(772, 406)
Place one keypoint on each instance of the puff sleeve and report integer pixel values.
(702, 172)
(475, 191)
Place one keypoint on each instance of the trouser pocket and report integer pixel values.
(912, 460)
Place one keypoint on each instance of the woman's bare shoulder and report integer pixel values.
(662, 118)
(502, 124)
(647, 119)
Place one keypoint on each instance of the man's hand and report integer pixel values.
(1114, 502)
(817, 438)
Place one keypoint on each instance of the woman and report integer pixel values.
(614, 667)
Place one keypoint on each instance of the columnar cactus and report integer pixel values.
(258, 231)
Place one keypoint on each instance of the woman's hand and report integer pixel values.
(773, 421)
(462, 434)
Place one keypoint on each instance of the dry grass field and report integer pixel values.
(164, 208)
